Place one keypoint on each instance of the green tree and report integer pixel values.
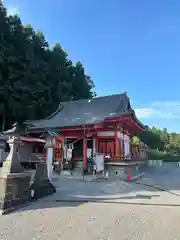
(34, 78)
(82, 83)
(161, 140)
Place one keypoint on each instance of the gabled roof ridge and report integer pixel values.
(99, 97)
(54, 113)
(117, 94)
(125, 97)
(48, 117)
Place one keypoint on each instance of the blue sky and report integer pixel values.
(125, 45)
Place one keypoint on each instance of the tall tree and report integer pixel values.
(161, 140)
(82, 83)
(34, 78)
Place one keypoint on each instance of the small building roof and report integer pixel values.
(86, 111)
(32, 140)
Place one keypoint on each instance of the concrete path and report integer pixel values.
(153, 188)
(167, 178)
(101, 211)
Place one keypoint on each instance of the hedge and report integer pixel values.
(158, 155)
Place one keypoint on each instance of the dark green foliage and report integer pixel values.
(34, 78)
(166, 156)
(166, 145)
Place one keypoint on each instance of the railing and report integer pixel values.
(113, 158)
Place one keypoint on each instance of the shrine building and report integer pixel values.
(101, 125)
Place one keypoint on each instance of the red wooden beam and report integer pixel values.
(60, 139)
(104, 137)
(72, 134)
(130, 122)
(28, 139)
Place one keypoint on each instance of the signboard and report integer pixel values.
(99, 160)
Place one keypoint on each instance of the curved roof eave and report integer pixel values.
(138, 121)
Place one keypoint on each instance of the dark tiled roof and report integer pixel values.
(87, 111)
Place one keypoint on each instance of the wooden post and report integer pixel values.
(97, 145)
(122, 146)
(85, 153)
(123, 150)
(117, 152)
(94, 145)
(50, 143)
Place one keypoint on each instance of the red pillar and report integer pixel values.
(117, 153)
(122, 147)
(84, 153)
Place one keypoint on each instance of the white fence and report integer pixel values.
(160, 163)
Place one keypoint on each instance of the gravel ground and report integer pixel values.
(47, 220)
(124, 218)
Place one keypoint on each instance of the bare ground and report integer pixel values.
(80, 210)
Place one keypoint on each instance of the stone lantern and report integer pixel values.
(42, 185)
(49, 145)
(14, 181)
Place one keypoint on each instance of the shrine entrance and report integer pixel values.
(106, 147)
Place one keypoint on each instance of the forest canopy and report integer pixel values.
(35, 78)
(166, 144)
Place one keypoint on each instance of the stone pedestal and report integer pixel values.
(57, 167)
(14, 182)
(41, 186)
(14, 191)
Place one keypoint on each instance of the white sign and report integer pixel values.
(126, 146)
(99, 160)
(89, 153)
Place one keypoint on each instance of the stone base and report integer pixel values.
(78, 167)
(57, 167)
(14, 191)
(42, 188)
(125, 171)
(116, 173)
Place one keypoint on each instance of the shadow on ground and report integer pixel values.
(73, 193)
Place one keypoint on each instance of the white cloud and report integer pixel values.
(166, 110)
